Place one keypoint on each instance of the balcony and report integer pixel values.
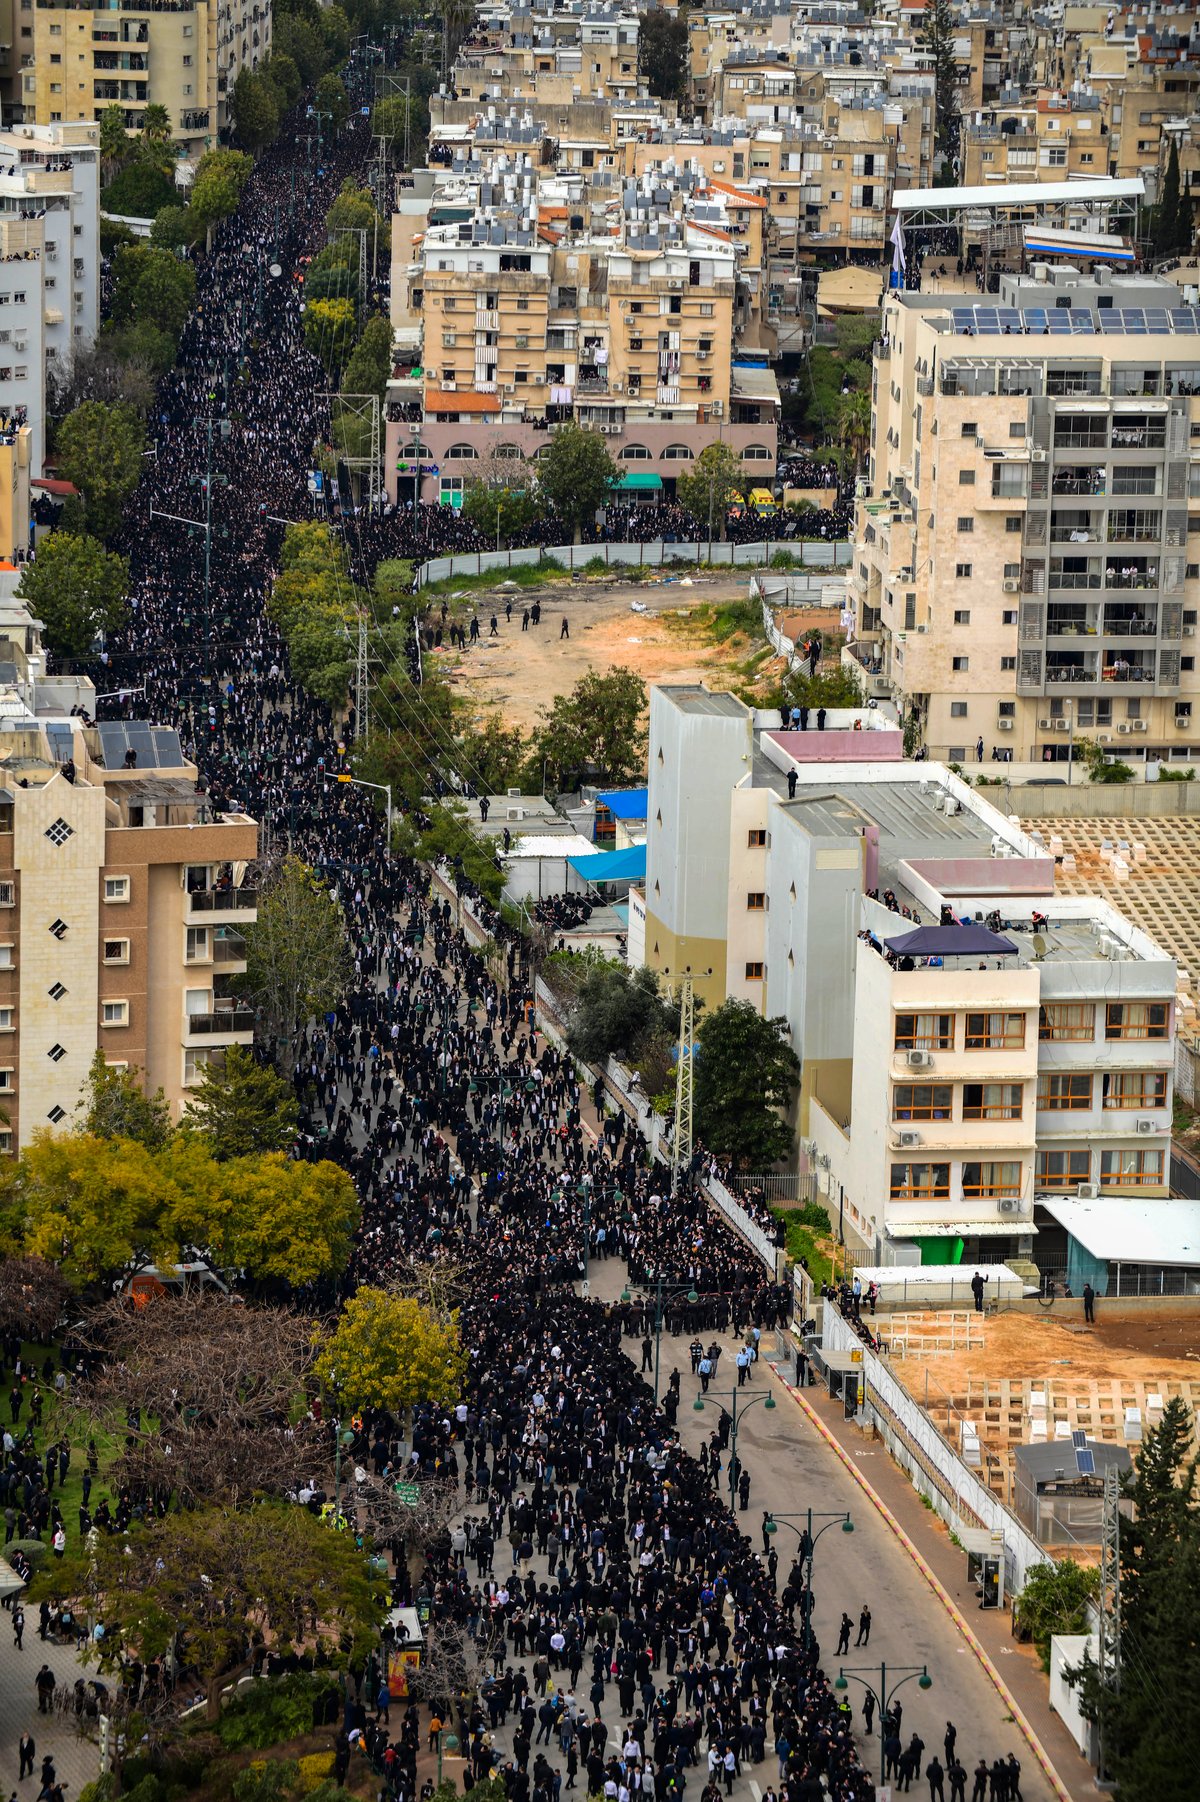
(1139, 666)
(592, 384)
(1132, 433)
(1076, 528)
(1071, 666)
(1083, 481)
(229, 948)
(241, 903)
(1071, 620)
(232, 1024)
(1133, 572)
(1130, 622)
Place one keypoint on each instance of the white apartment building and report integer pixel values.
(1027, 552)
(49, 262)
(950, 1094)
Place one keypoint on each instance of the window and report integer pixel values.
(8, 894)
(116, 951)
(634, 453)
(920, 1182)
(1016, 428)
(921, 1101)
(56, 1115)
(56, 991)
(969, 428)
(962, 616)
(754, 972)
(1128, 1169)
(924, 1032)
(6, 1141)
(995, 1032)
(962, 571)
(56, 1053)
(1012, 522)
(1063, 1169)
(1008, 616)
(1136, 1020)
(59, 928)
(195, 1063)
(966, 478)
(966, 524)
(1064, 1094)
(7, 1019)
(1136, 1088)
(1067, 1020)
(7, 961)
(958, 710)
(196, 948)
(1008, 663)
(991, 1181)
(756, 902)
(114, 1013)
(6, 1081)
(992, 1100)
(58, 832)
(756, 837)
(961, 664)
(116, 888)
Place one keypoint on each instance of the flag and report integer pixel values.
(897, 242)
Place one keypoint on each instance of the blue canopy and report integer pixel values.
(612, 866)
(626, 803)
(970, 940)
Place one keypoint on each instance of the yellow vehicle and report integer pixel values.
(762, 501)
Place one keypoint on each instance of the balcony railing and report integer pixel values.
(228, 947)
(223, 1021)
(221, 900)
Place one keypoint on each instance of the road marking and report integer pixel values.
(755, 1791)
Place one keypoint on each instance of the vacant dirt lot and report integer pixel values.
(521, 672)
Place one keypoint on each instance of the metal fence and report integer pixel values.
(779, 1188)
(814, 554)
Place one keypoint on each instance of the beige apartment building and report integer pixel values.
(1027, 554)
(184, 57)
(122, 903)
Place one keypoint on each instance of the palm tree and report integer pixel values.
(854, 424)
(156, 124)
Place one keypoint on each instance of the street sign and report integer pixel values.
(408, 1493)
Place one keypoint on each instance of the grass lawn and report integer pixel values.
(57, 1424)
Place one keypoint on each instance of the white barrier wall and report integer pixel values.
(813, 554)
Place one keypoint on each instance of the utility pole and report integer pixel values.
(1110, 1600)
(362, 693)
(681, 1143)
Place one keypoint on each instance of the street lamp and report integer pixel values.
(384, 788)
(768, 1401)
(661, 1302)
(883, 1695)
(450, 1742)
(343, 1437)
(808, 1540)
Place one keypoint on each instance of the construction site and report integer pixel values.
(997, 1381)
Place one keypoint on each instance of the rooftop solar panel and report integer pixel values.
(1078, 1439)
(1087, 1464)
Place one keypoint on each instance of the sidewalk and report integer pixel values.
(76, 1760)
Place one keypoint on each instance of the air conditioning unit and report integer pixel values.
(922, 628)
(674, 286)
(702, 356)
(1011, 1204)
(1189, 631)
(1183, 722)
(717, 409)
(1062, 725)
(1138, 726)
(1123, 727)
(514, 813)
(1011, 585)
(508, 388)
(907, 1140)
(1045, 725)
(1147, 1126)
(918, 1060)
(522, 343)
(1037, 456)
(1004, 725)
(1087, 1191)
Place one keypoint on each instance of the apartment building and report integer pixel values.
(122, 899)
(83, 58)
(1027, 549)
(16, 444)
(1018, 1048)
(639, 318)
(49, 266)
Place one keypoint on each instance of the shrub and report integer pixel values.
(813, 1215)
(314, 1769)
(33, 1550)
(1166, 775)
(596, 566)
(274, 1709)
(782, 560)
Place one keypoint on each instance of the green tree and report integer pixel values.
(577, 475)
(297, 955)
(370, 365)
(936, 39)
(598, 728)
(499, 512)
(156, 124)
(116, 146)
(445, 838)
(99, 448)
(1056, 1599)
(284, 77)
(115, 1105)
(299, 40)
(90, 1205)
(175, 228)
(329, 328)
(494, 754)
(77, 589)
(404, 121)
(1166, 213)
(353, 209)
(618, 1012)
(336, 31)
(331, 101)
(152, 287)
(255, 106)
(746, 1075)
(663, 53)
(220, 177)
(709, 487)
(1151, 1743)
(388, 1351)
(167, 1583)
(242, 1107)
(140, 191)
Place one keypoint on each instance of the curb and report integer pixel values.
(1031, 1739)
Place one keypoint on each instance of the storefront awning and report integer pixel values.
(958, 1229)
(638, 480)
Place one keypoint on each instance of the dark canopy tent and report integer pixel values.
(952, 941)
